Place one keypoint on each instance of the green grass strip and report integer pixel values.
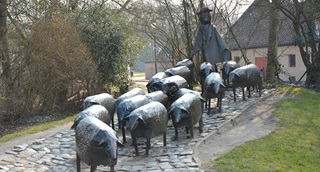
(36, 129)
(295, 146)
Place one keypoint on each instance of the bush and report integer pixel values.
(55, 59)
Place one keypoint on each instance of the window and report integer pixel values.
(237, 59)
(292, 60)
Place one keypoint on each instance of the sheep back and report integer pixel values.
(128, 105)
(188, 108)
(148, 121)
(212, 84)
(131, 93)
(185, 62)
(155, 78)
(182, 71)
(103, 99)
(96, 142)
(245, 76)
(97, 111)
(183, 91)
(161, 97)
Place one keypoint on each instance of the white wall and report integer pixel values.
(283, 54)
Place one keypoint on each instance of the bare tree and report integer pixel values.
(273, 64)
(4, 51)
(304, 16)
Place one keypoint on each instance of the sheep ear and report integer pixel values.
(170, 112)
(168, 72)
(74, 125)
(202, 99)
(119, 144)
(140, 118)
(184, 109)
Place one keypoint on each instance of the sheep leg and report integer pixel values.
(112, 122)
(148, 146)
(93, 168)
(209, 106)
(200, 124)
(187, 130)
(112, 168)
(260, 88)
(234, 94)
(164, 139)
(206, 104)
(123, 135)
(220, 103)
(134, 141)
(175, 134)
(249, 91)
(78, 163)
(191, 131)
(243, 96)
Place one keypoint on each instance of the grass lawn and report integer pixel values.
(295, 146)
(38, 128)
(139, 74)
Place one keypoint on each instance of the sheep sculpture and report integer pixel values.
(227, 68)
(155, 78)
(97, 111)
(182, 91)
(185, 62)
(161, 97)
(103, 99)
(133, 92)
(186, 111)
(182, 71)
(170, 84)
(96, 144)
(246, 76)
(147, 122)
(213, 87)
(126, 106)
(188, 63)
(205, 69)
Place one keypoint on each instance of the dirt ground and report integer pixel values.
(254, 123)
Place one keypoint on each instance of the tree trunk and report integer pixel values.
(4, 50)
(272, 65)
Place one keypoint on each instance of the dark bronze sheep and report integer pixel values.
(155, 78)
(205, 69)
(170, 84)
(97, 111)
(126, 106)
(188, 63)
(186, 111)
(131, 93)
(147, 122)
(103, 99)
(182, 71)
(214, 88)
(161, 97)
(246, 76)
(181, 92)
(96, 144)
(227, 68)
(185, 62)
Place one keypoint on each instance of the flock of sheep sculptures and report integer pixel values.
(146, 115)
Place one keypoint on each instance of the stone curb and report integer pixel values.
(223, 127)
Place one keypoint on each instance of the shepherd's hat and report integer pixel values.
(204, 9)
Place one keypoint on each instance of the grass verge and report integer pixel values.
(139, 74)
(295, 146)
(38, 128)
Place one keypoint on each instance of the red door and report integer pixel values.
(261, 63)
